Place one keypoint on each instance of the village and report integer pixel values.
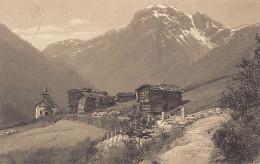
(140, 118)
(150, 104)
(151, 101)
(153, 109)
(151, 118)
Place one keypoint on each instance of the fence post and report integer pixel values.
(183, 114)
(149, 118)
(111, 137)
(163, 116)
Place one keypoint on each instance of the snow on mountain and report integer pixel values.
(157, 46)
(179, 25)
(175, 26)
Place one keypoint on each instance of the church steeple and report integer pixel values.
(45, 91)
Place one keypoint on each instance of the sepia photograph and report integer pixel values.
(129, 82)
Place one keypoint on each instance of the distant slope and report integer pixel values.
(205, 96)
(223, 60)
(23, 72)
(158, 44)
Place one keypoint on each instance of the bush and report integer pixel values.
(161, 142)
(130, 153)
(237, 142)
(84, 150)
(105, 101)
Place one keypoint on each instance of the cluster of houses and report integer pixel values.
(152, 99)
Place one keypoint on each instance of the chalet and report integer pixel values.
(83, 100)
(46, 106)
(125, 96)
(158, 98)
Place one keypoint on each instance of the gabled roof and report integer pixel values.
(164, 87)
(46, 103)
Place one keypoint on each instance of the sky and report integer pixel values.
(42, 22)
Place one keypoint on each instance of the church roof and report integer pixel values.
(48, 104)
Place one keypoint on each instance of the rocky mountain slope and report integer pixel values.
(160, 45)
(156, 47)
(223, 60)
(23, 73)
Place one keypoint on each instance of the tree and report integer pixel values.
(244, 95)
(239, 139)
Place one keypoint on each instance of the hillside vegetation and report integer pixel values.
(238, 140)
(23, 73)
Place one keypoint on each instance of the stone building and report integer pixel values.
(46, 106)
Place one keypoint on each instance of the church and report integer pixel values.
(46, 106)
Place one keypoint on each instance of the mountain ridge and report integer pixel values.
(157, 46)
(23, 73)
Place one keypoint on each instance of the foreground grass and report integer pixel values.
(64, 133)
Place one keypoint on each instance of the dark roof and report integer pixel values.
(125, 94)
(48, 104)
(79, 90)
(88, 92)
(104, 93)
(164, 87)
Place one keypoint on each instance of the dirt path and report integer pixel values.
(195, 146)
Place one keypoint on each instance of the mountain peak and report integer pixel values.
(163, 13)
(161, 8)
(156, 7)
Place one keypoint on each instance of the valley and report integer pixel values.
(150, 92)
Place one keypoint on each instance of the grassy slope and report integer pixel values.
(206, 95)
(61, 134)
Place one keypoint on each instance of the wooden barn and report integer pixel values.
(83, 100)
(125, 96)
(158, 98)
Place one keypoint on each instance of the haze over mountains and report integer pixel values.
(160, 45)
(23, 73)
